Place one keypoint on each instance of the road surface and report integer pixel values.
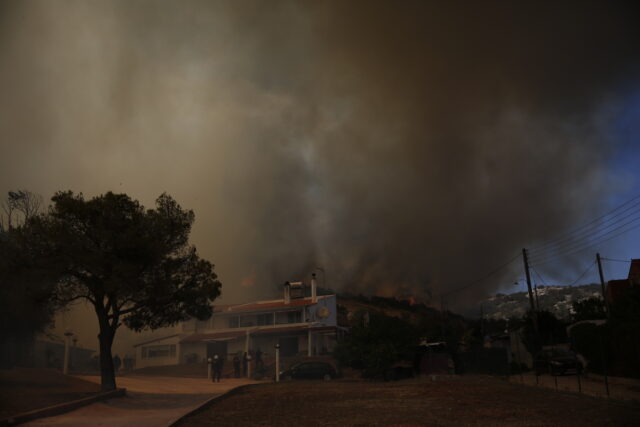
(150, 402)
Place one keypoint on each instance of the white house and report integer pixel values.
(300, 325)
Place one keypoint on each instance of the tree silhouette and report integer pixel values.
(135, 266)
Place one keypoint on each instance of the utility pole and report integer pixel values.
(604, 296)
(482, 323)
(442, 317)
(67, 338)
(534, 312)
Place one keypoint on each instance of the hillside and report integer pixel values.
(403, 309)
(556, 299)
(432, 324)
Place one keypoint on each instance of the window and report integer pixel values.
(294, 317)
(154, 351)
(246, 321)
(288, 317)
(265, 319)
(234, 322)
(203, 324)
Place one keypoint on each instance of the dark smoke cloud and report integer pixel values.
(405, 147)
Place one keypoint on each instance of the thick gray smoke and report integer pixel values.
(405, 147)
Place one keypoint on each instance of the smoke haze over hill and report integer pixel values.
(405, 147)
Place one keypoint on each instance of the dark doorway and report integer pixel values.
(288, 346)
(217, 347)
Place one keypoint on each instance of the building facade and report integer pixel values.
(299, 325)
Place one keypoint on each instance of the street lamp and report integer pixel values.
(67, 338)
(277, 346)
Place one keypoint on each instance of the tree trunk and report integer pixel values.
(107, 371)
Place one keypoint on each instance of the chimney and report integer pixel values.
(314, 288)
(287, 292)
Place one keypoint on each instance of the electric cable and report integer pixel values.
(579, 240)
(567, 233)
(615, 260)
(598, 240)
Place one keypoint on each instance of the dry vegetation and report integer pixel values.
(458, 401)
(23, 390)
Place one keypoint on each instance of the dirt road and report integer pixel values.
(150, 402)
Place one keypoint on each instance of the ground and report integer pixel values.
(454, 401)
(23, 390)
(150, 402)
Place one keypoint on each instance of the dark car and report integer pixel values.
(557, 362)
(310, 370)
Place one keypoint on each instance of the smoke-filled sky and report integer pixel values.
(404, 147)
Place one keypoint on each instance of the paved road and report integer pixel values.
(150, 402)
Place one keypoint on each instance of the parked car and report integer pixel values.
(310, 370)
(556, 362)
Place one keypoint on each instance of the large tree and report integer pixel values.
(26, 306)
(18, 207)
(134, 265)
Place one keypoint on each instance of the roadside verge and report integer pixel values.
(178, 421)
(61, 408)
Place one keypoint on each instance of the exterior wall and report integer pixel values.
(235, 346)
(145, 359)
(193, 352)
(323, 313)
(314, 311)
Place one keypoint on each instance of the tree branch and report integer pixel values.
(125, 311)
(77, 297)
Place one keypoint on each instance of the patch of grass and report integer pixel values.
(457, 401)
(23, 390)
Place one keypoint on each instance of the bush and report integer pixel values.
(375, 346)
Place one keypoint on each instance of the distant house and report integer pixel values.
(50, 354)
(616, 288)
(300, 325)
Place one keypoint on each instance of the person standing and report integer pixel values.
(116, 363)
(216, 369)
(236, 366)
(259, 363)
(245, 364)
(220, 367)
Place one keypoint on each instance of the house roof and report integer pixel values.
(214, 336)
(266, 305)
(155, 339)
(229, 335)
(289, 329)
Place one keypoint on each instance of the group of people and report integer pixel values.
(240, 364)
(127, 362)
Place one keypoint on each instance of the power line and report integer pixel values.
(476, 281)
(559, 247)
(583, 273)
(560, 237)
(587, 245)
(572, 283)
(539, 276)
(616, 260)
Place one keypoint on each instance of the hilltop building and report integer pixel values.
(300, 325)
